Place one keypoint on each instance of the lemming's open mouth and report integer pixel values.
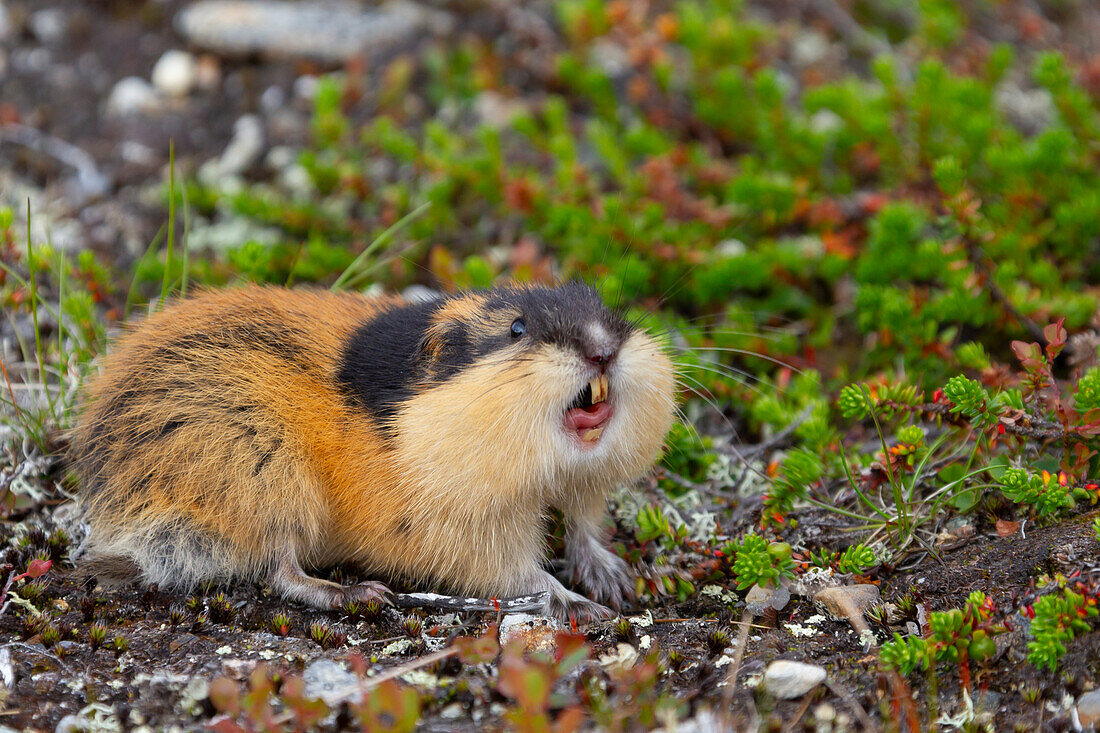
(589, 413)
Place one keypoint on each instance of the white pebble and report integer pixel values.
(175, 73)
(787, 680)
(132, 95)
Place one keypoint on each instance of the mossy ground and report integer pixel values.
(853, 220)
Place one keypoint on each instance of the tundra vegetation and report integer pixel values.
(876, 268)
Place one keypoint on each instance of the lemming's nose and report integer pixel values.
(600, 358)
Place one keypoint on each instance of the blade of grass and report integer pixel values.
(165, 278)
(153, 244)
(38, 353)
(186, 239)
(62, 362)
(855, 487)
(899, 496)
(351, 272)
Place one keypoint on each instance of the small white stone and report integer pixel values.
(329, 681)
(305, 87)
(130, 96)
(730, 248)
(496, 110)
(50, 25)
(175, 73)
(825, 121)
(273, 98)
(244, 148)
(787, 680)
(624, 656)
(809, 48)
(536, 633)
(396, 647)
(1030, 110)
(1088, 710)
(7, 28)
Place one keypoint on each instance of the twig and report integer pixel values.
(851, 31)
(977, 258)
(402, 669)
(735, 667)
(774, 441)
(36, 650)
(92, 182)
(802, 708)
(516, 604)
(842, 692)
(1029, 426)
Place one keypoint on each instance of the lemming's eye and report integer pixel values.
(518, 328)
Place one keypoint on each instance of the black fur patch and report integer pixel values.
(379, 365)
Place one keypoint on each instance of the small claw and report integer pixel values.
(368, 591)
(582, 611)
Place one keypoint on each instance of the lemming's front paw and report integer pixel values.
(604, 576)
(569, 607)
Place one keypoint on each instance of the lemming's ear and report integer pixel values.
(439, 352)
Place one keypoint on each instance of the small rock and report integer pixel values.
(787, 680)
(7, 27)
(130, 96)
(191, 696)
(175, 73)
(324, 30)
(537, 633)
(422, 294)
(1031, 111)
(305, 88)
(1088, 710)
(7, 671)
(825, 121)
(809, 48)
(611, 57)
(244, 148)
(824, 714)
(273, 98)
(496, 110)
(847, 600)
(624, 656)
(237, 669)
(49, 26)
(329, 681)
(760, 600)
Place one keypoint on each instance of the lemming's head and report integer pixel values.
(545, 377)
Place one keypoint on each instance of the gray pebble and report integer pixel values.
(325, 30)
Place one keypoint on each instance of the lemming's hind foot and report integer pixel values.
(111, 569)
(293, 583)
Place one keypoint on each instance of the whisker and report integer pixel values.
(706, 398)
(746, 352)
(732, 376)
